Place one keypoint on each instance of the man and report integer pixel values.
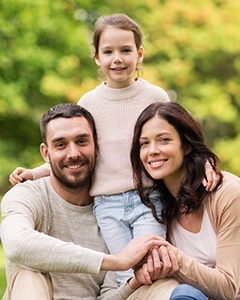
(50, 237)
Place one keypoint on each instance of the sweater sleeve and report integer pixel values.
(41, 171)
(221, 282)
(111, 291)
(24, 232)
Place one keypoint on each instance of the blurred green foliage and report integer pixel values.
(191, 50)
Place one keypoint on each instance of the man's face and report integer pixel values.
(70, 151)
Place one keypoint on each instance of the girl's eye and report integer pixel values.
(107, 52)
(126, 50)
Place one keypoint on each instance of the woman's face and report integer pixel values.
(162, 153)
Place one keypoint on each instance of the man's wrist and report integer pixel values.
(112, 263)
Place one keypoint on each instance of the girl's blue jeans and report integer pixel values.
(187, 292)
(121, 217)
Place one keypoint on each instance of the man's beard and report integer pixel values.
(79, 182)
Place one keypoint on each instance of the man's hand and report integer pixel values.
(19, 175)
(132, 254)
(161, 263)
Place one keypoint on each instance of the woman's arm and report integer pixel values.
(221, 282)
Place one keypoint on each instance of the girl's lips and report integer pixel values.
(118, 69)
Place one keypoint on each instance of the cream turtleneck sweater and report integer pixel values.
(115, 112)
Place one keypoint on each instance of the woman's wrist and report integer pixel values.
(133, 283)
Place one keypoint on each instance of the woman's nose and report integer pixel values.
(153, 149)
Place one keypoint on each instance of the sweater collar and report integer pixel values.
(123, 93)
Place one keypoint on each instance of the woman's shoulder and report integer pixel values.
(228, 192)
(230, 179)
(224, 203)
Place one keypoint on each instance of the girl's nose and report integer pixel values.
(118, 58)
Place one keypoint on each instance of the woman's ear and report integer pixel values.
(188, 149)
(44, 152)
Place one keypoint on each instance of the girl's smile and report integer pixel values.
(118, 56)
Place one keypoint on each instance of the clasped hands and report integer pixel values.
(159, 263)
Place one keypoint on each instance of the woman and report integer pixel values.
(168, 147)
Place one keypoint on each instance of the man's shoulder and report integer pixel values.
(28, 190)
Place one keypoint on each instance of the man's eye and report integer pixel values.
(60, 145)
(81, 142)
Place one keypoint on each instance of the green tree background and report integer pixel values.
(192, 50)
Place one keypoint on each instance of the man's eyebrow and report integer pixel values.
(79, 136)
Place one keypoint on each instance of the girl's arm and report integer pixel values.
(22, 174)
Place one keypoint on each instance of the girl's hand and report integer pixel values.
(20, 175)
(211, 178)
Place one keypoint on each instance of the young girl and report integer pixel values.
(115, 105)
(168, 147)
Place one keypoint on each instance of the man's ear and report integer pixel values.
(44, 152)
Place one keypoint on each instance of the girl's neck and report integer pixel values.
(119, 85)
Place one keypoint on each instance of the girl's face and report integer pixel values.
(162, 153)
(118, 56)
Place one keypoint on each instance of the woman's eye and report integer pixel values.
(142, 144)
(164, 140)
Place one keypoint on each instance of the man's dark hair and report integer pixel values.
(66, 110)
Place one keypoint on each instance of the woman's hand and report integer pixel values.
(161, 263)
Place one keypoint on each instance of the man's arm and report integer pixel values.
(26, 242)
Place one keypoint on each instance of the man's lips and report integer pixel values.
(74, 166)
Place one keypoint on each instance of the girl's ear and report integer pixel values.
(44, 152)
(97, 61)
(140, 55)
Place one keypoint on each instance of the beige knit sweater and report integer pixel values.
(115, 112)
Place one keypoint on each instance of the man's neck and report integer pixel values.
(78, 197)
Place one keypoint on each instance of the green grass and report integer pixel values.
(2, 272)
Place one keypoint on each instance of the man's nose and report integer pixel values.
(73, 151)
